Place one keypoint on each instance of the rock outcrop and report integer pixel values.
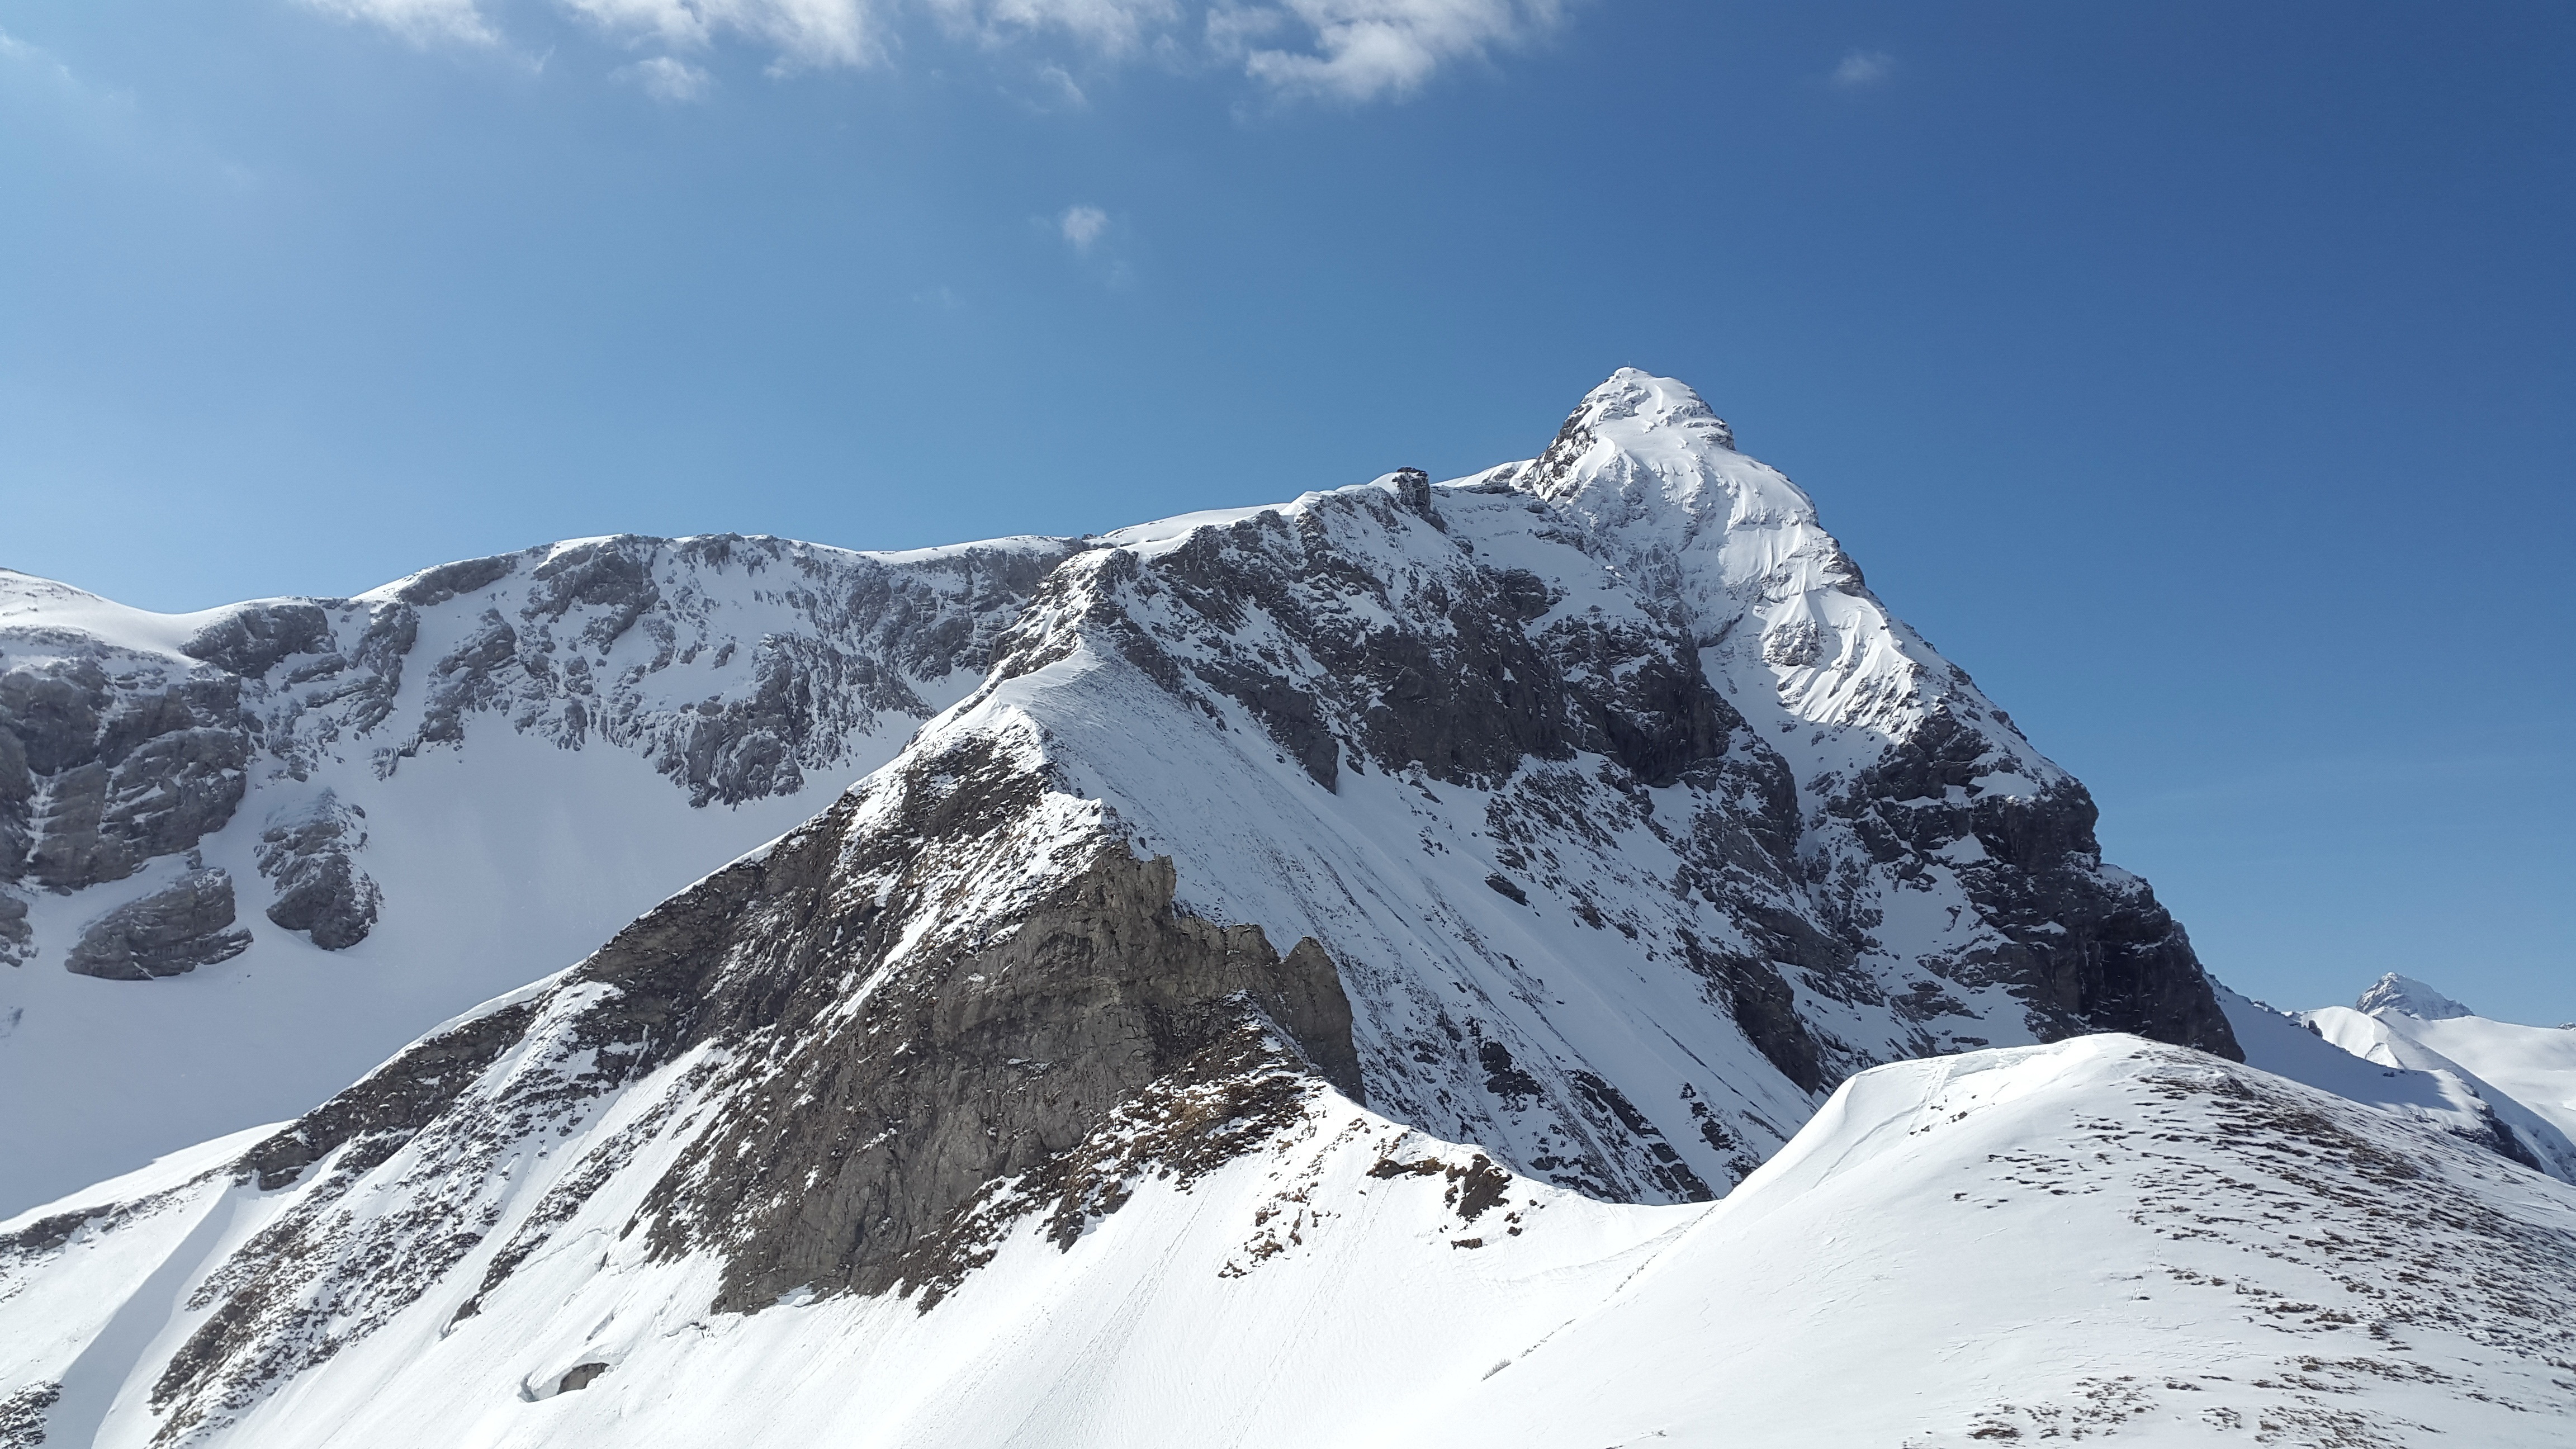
(17, 942)
(735, 665)
(1025, 1052)
(174, 930)
(309, 851)
(109, 759)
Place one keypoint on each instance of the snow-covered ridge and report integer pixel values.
(2103, 1237)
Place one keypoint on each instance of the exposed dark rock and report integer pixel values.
(992, 1062)
(746, 749)
(381, 1112)
(1466, 685)
(260, 1327)
(2087, 948)
(1475, 1189)
(1092, 1033)
(110, 758)
(872, 629)
(309, 852)
(174, 930)
(580, 1376)
(614, 575)
(17, 942)
(1504, 1079)
(1228, 1098)
(1665, 1168)
(436, 586)
(129, 766)
(1766, 1011)
(17, 803)
(466, 679)
(22, 1414)
(252, 639)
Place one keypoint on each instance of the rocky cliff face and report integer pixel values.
(110, 757)
(432, 792)
(733, 664)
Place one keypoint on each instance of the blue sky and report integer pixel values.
(2199, 376)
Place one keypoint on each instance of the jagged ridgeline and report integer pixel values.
(1591, 811)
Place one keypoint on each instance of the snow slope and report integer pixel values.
(2534, 1065)
(2103, 1237)
(2361, 1058)
(2522, 1076)
(2095, 1239)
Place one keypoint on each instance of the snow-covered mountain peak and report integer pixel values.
(1647, 450)
(1627, 818)
(1732, 551)
(1633, 402)
(2393, 992)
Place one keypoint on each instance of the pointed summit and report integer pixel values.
(2393, 992)
(1658, 422)
(1646, 402)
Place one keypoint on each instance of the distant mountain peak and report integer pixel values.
(2393, 992)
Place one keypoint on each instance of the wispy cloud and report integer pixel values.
(1059, 88)
(1082, 227)
(1112, 28)
(118, 135)
(1863, 68)
(422, 22)
(1367, 50)
(807, 34)
(1339, 50)
(19, 52)
(667, 78)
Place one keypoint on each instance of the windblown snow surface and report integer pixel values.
(1540, 959)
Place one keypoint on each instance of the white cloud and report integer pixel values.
(1347, 50)
(807, 33)
(666, 78)
(422, 22)
(1863, 68)
(1366, 50)
(1109, 27)
(1057, 90)
(1082, 226)
(20, 52)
